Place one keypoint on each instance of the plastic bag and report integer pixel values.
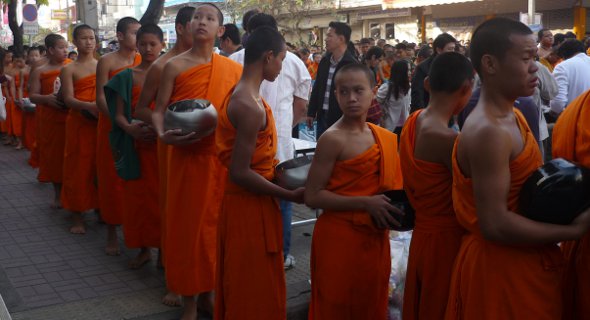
(2, 107)
(306, 133)
(399, 243)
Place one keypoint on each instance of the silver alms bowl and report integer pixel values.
(292, 174)
(28, 106)
(189, 116)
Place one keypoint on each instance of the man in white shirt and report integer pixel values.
(572, 75)
(287, 96)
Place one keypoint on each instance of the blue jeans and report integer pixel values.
(286, 211)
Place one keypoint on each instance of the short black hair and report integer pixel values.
(52, 39)
(354, 67)
(425, 52)
(493, 37)
(42, 49)
(79, 28)
(570, 35)
(261, 40)
(540, 33)
(246, 18)
(442, 40)
(33, 48)
(365, 41)
(569, 48)
(262, 19)
(304, 50)
(558, 38)
(374, 52)
(449, 71)
(219, 13)
(184, 15)
(341, 29)
(150, 28)
(401, 46)
(124, 23)
(231, 32)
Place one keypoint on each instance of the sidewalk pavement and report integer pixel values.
(46, 273)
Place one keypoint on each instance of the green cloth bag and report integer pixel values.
(122, 144)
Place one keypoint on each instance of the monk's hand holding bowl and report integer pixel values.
(378, 207)
(297, 195)
(175, 137)
(52, 101)
(141, 131)
(582, 222)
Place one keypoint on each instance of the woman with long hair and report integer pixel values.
(394, 97)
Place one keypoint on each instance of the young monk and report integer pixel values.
(251, 277)
(21, 83)
(571, 137)
(143, 112)
(51, 114)
(8, 93)
(79, 91)
(426, 146)
(33, 58)
(194, 169)
(141, 218)
(354, 162)
(508, 267)
(18, 62)
(110, 186)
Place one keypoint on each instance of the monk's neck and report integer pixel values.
(353, 123)
(85, 57)
(442, 106)
(203, 50)
(55, 62)
(126, 53)
(493, 100)
(252, 76)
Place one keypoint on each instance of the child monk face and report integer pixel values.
(59, 52)
(85, 41)
(205, 24)
(128, 39)
(353, 93)
(19, 62)
(149, 46)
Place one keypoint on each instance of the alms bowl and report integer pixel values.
(292, 174)
(196, 115)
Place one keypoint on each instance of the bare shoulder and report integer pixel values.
(332, 141)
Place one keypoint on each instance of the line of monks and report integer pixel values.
(210, 205)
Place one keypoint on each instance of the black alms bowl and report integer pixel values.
(556, 193)
(399, 199)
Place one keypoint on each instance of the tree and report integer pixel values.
(153, 13)
(17, 31)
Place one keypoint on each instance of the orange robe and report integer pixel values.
(437, 235)
(52, 130)
(195, 185)
(163, 151)
(16, 116)
(386, 69)
(251, 277)
(350, 257)
(79, 178)
(313, 69)
(110, 185)
(141, 218)
(571, 141)
(493, 281)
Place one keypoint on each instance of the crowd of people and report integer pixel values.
(458, 126)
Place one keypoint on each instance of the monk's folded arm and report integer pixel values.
(163, 97)
(102, 76)
(490, 173)
(120, 116)
(67, 87)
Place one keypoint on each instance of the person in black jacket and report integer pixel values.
(323, 106)
(443, 43)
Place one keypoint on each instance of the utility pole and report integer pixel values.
(88, 12)
(531, 14)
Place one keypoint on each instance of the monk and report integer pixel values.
(314, 65)
(21, 83)
(18, 62)
(31, 127)
(426, 146)
(386, 64)
(44, 86)
(8, 93)
(251, 277)
(354, 162)
(570, 141)
(195, 176)
(110, 186)
(143, 112)
(141, 218)
(79, 167)
(508, 267)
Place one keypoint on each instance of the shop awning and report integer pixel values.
(402, 4)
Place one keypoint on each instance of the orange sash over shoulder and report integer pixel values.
(493, 281)
(110, 185)
(350, 258)
(437, 235)
(79, 192)
(251, 277)
(52, 140)
(571, 140)
(141, 220)
(195, 183)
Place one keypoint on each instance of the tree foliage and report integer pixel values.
(17, 30)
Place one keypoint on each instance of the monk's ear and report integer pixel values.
(489, 64)
(427, 84)
(220, 31)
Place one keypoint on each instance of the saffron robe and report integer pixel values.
(52, 133)
(437, 234)
(195, 182)
(110, 185)
(350, 257)
(79, 192)
(494, 281)
(251, 277)
(141, 218)
(16, 115)
(571, 141)
(28, 118)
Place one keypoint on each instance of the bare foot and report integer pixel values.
(56, 205)
(190, 309)
(205, 303)
(143, 257)
(78, 227)
(172, 299)
(112, 248)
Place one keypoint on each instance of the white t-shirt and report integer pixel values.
(294, 80)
